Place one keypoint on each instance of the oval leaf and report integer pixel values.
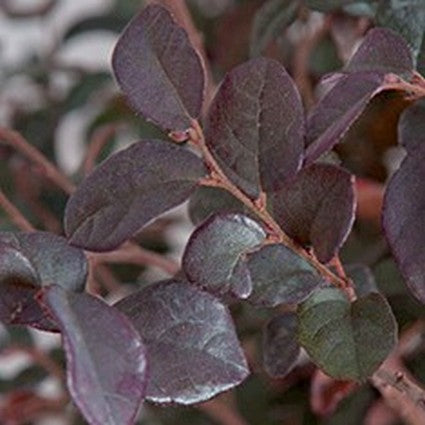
(159, 70)
(255, 126)
(279, 275)
(129, 190)
(342, 105)
(347, 340)
(316, 208)
(403, 218)
(106, 359)
(193, 349)
(280, 345)
(29, 261)
(383, 51)
(214, 255)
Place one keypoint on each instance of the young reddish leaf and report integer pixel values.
(332, 117)
(326, 393)
(128, 190)
(214, 255)
(411, 126)
(279, 275)
(159, 70)
(280, 345)
(29, 261)
(193, 350)
(212, 200)
(404, 204)
(347, 340)
(383, 51)
(255, 126)
(106, 359)
(316, 208)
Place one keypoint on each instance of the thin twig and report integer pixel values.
(218, 178)
(14, 214)
(14, 139)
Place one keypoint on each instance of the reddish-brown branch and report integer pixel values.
(222, 411)
(14, 214)
(15, 140)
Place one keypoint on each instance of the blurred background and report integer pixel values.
(57, 91)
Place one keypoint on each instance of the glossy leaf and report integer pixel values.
(405, 17)
(193, 349)
(316, 208)
(214, 256)
(331, 118)
(106, 359)
(404, 203)
(347, 340)
(280, 345)
(382, 51)
(29, 261)
(255, 126)
(270, 21)
(206, 201)
(155, 65)
(411, 126)
(129, 190)
(279, 275)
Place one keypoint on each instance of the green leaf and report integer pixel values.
(279, 275)
(347, 340)
(328, 5)
(271, 20)
(405, 17)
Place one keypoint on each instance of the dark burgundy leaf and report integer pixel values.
(403, 215)
(255, 126)
(212, 200)
(193, 350)
(316, 208)
(106, 359)
(280, 345)
(412, 126)
(279, 275)
(32, 260)
(129, 190)
(214, 256)
(383, 51)
(332, 117)
(158, 70)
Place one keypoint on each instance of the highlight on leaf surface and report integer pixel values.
(159, 71)
(30, 261)
(128, 190)
(193, 350)
(214, 258)
(106, 358)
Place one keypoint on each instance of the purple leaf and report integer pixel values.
(32, 260)
(383, 51)
(106, 359)
(279, 275)
(159, 70)
(255, 126)
(333, 116)
(403, 217)
(316, 208)
(193, 350)
(129, 190)
(280, 345)
(411, 126)
(214, 255)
